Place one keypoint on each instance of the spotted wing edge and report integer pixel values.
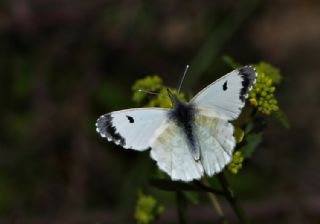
(132, 128)
(248, 74)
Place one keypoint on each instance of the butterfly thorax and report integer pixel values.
(183, 113)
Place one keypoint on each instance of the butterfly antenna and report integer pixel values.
(148, 92)
(184, 74)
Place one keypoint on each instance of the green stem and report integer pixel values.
(182, 207)
(233, 200)
(215, 203)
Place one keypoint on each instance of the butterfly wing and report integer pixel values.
(216, 143)
(225, 97)
(170, 150)
(132, 128)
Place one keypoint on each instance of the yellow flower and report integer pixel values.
(236, 163)
(153, 84)
(149, 83)
(262, 95)
(147, 209)
(238, 134)
(163, 100)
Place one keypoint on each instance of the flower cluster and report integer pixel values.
(153, 84)
(147, 209)
(236, 164)
(150, 83)
(262, 95)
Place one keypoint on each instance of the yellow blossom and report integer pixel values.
(262, 95)
(236, 163)
(147, 209)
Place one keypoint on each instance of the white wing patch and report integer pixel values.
(173, 156)
(170, 149)
(133, 128)
(216, 142)
(225, 97)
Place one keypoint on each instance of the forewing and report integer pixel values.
(170, 150)
(216, 142)
(133, 128)
(226, 97)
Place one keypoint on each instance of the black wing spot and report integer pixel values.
(225, 86)
(130, 119)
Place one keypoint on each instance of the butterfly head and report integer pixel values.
(174, 99)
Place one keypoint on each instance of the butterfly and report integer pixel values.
(192, 139)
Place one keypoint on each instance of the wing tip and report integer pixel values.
(248, 70)
(105, 127)
(249, 75)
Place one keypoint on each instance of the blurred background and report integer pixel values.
(64, 63)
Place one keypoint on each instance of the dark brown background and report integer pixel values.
(64, 63)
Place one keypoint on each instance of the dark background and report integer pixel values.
(64, 63)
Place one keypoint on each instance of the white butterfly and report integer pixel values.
(191, 139)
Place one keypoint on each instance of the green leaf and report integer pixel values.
(231, 62)
(249, 127)
(168, 185)
(282, 118)
(253, 140)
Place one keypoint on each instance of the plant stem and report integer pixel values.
(233, 200)
(181, 206)
(215, 203)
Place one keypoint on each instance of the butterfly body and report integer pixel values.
(192, 139)
(183, 114)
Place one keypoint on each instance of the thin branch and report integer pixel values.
(233, 200)
(215, 204)
(181, 207)
(168, 185)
